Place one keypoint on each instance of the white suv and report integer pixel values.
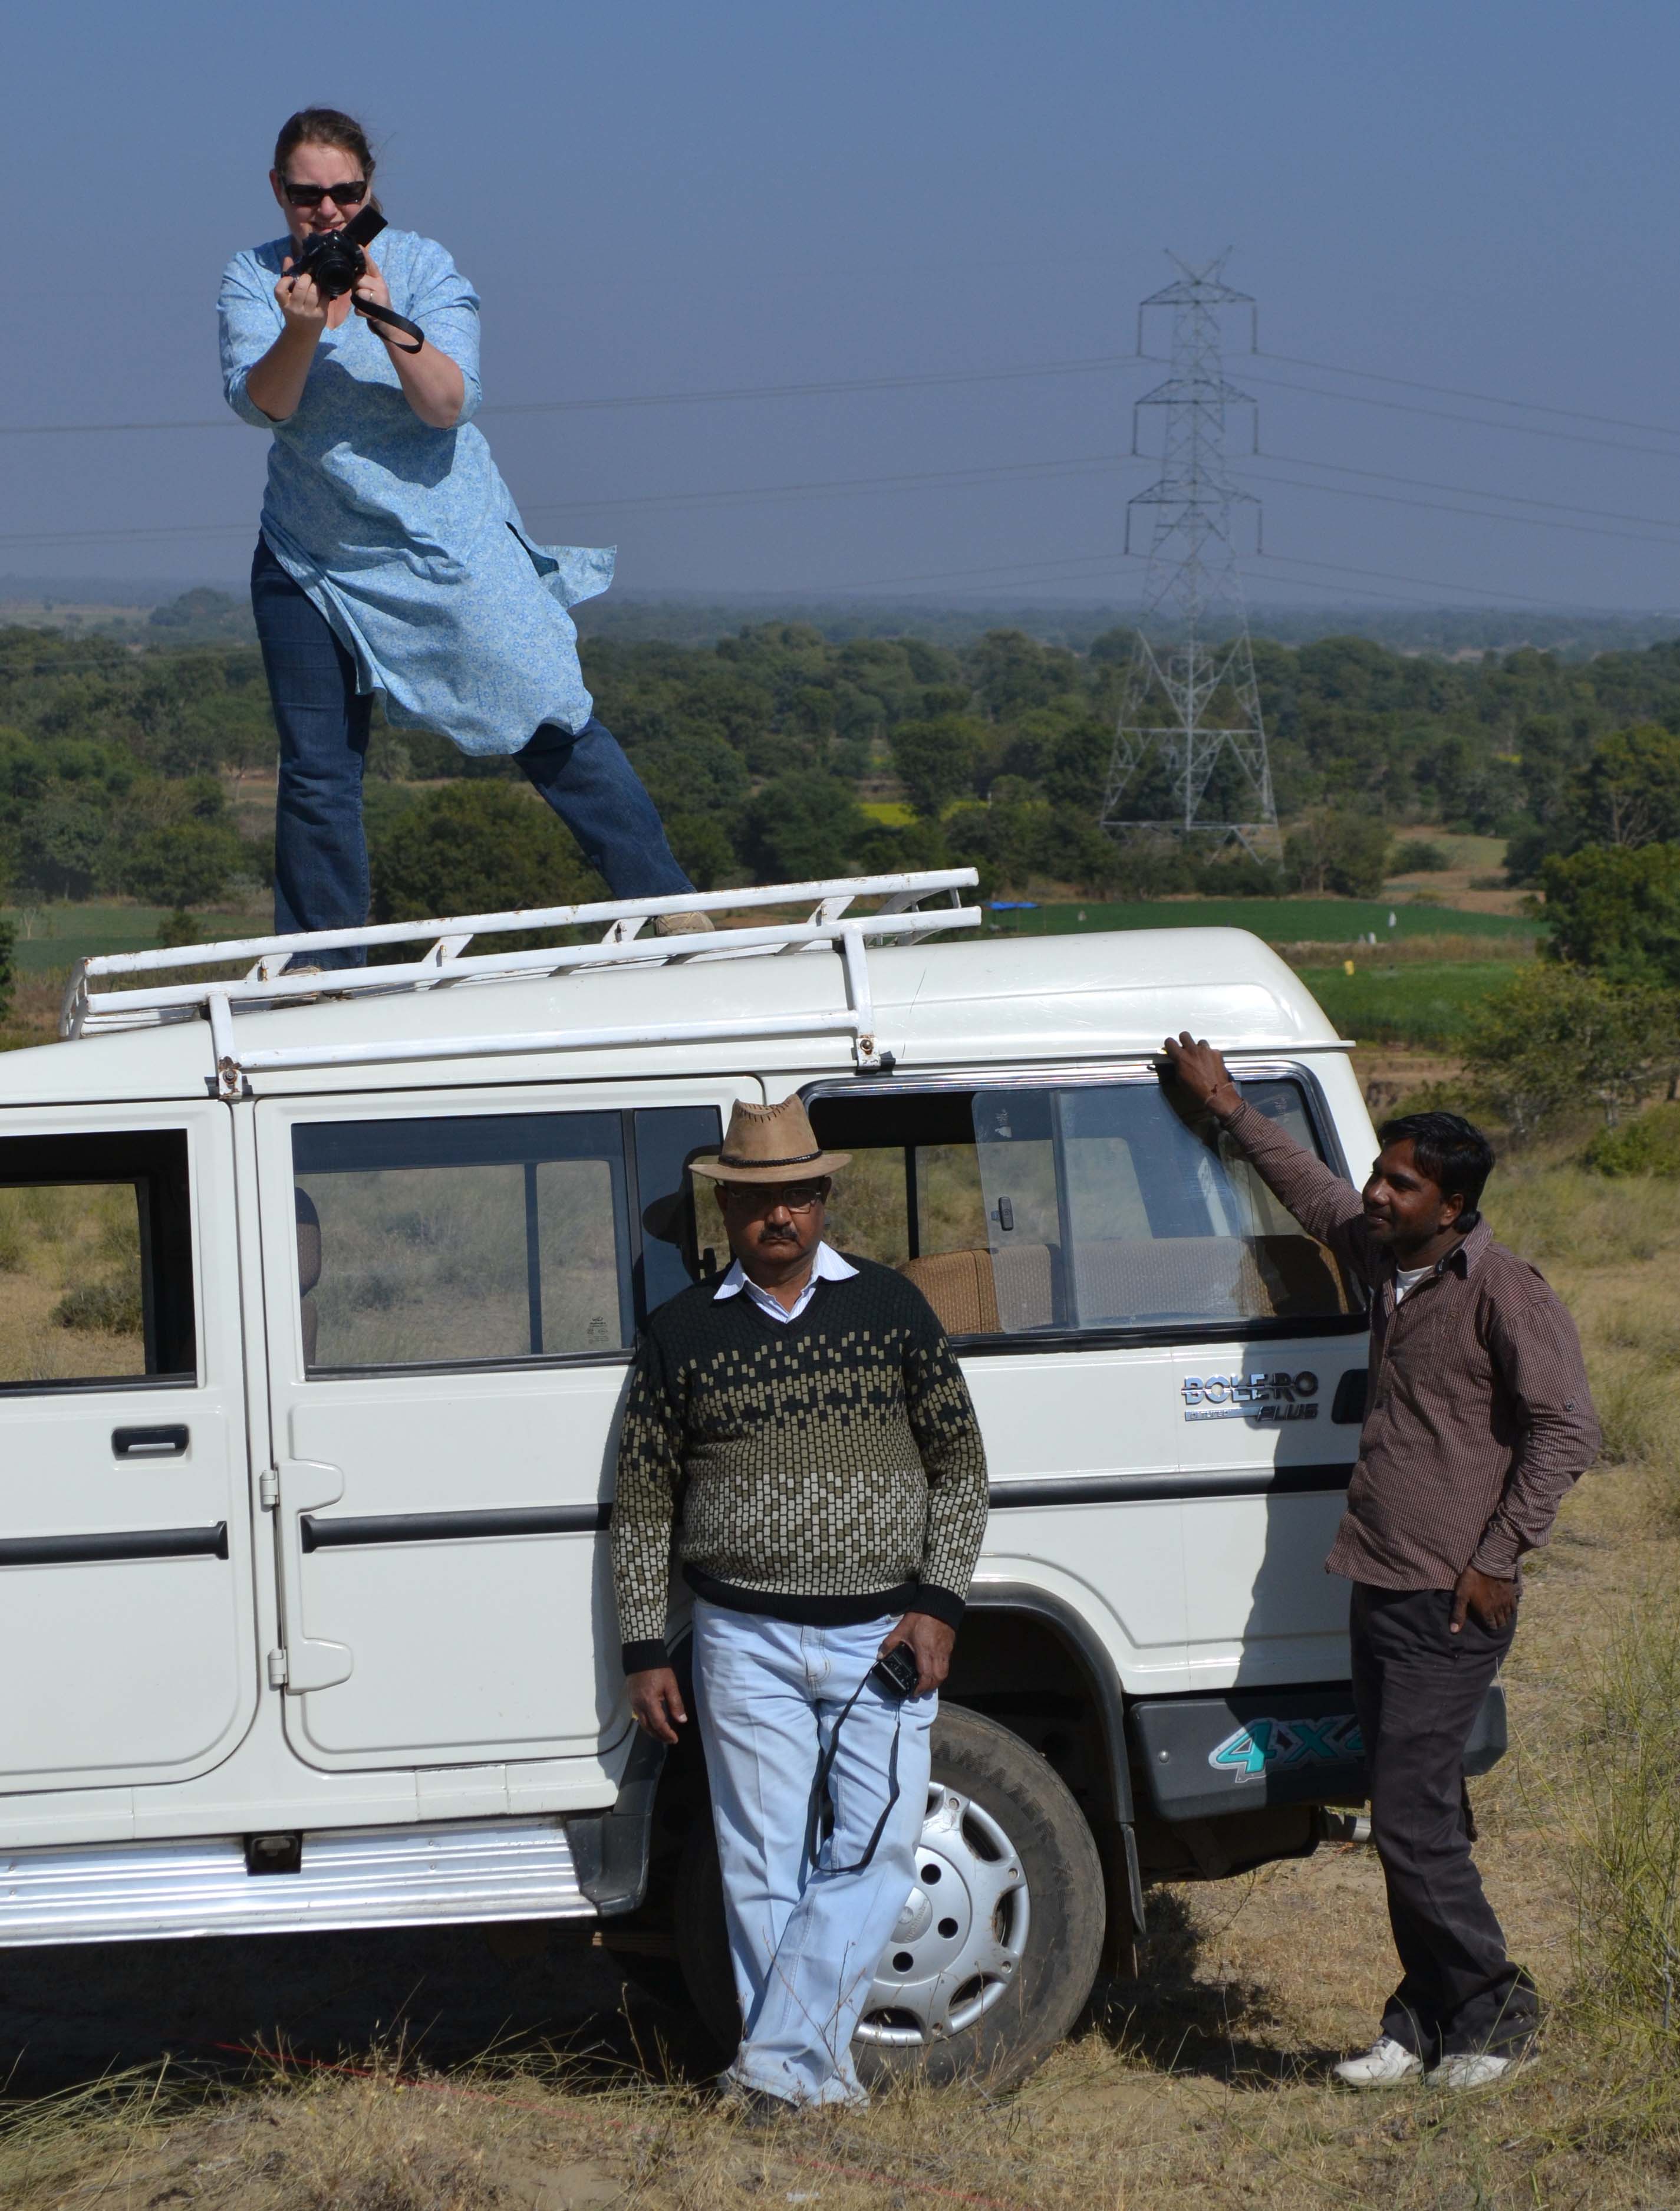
(319, 1292)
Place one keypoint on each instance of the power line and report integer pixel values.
(825, 486)
(1094, 366)
(1435, 584)
(1485, 398)
(829, 487)
(1046, 470)
(1481, 513)
(1335, 593)
(1475, 491)
(1476, 422)
(1005, 568)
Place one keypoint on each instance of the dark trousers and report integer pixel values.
(320, 850)
(1417, 1688)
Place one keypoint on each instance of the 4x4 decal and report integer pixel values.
(1273, 1745)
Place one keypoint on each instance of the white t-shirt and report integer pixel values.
(826, 1267)
(1408, 1278)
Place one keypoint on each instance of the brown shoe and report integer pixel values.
(682, 925)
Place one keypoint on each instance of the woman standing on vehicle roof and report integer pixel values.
(392, 557)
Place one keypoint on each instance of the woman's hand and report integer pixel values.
(432, 383)
(370, 285)
(300, 302)
(276, 383)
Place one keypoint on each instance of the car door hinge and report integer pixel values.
(268, 1487)
(277, 1670)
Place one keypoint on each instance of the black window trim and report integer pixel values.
(1268, 1066)
(50, 1175)
(631, 1286)
(99, 1384)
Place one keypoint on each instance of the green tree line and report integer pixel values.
(775, 753)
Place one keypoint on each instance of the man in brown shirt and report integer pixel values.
(1478, 1421)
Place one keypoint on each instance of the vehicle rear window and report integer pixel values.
(1042, 1208)
(96, 1261)
(473, 1239)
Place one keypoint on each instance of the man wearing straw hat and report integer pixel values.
(810, 1415)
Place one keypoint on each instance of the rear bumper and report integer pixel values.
(1199, 1758)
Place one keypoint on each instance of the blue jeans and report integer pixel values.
(320, 850)
(804, 1941)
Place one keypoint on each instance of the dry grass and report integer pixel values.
(1395, 951)
(70, 1282)
(1202, 2087)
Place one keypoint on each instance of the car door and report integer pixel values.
(126, 1637)
(453, 1285)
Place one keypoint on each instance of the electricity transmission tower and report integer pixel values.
(1190, 749)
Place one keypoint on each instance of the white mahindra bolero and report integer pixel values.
(318, 1294)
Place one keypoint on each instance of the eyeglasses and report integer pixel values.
(350, 194)
(766, 1198)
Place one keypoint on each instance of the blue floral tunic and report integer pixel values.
(406, 537)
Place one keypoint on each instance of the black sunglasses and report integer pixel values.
(348, 194)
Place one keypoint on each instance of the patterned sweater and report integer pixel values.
(830, 1470)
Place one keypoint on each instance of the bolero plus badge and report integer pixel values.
(1266, 1397)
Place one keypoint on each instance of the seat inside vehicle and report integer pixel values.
(309, 1271)
(976, 1292)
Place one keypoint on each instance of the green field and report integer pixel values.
(1279, 921)
(64, 932)
(1429, 1003)
(1422, 1000)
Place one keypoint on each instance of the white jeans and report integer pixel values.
(805, 1942)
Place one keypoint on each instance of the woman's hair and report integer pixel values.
(323, 126)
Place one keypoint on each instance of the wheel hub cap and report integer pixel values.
(960, 1939)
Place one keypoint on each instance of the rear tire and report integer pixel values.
(996, 1950)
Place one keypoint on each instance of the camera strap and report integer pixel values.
(820, 1794)
(378, 314)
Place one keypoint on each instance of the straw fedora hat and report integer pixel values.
(770, 1143)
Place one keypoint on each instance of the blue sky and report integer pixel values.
(656, 199)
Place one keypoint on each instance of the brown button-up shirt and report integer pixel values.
(1477, 1419)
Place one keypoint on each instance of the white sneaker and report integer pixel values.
(683, 924)
(1384, 2065)
(1480, 2070)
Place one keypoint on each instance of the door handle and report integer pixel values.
(169, 1442)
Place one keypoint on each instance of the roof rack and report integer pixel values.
(830, 923)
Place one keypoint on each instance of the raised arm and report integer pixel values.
(1325, 1206)
(439, 382)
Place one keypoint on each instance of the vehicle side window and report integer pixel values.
(1045, 1209)
(96, 1261)
(475, 1239)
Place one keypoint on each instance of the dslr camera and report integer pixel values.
(332, 260)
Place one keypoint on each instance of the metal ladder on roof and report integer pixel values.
(829, 924)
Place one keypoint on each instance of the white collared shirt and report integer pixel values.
(826, 1267)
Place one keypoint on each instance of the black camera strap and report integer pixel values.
(378, 314)
(820, 1794)
(361, 232)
